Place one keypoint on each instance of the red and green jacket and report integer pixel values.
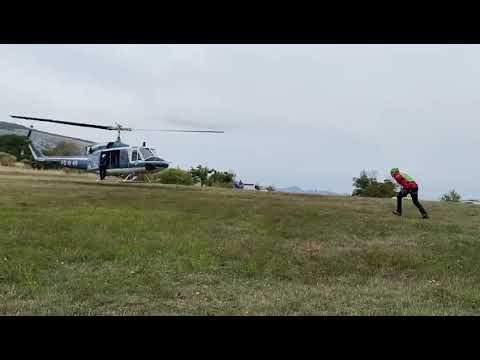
(404, 180)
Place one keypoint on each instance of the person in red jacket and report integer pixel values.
(409, 186)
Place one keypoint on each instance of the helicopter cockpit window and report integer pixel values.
(134, 155)
(146, 153)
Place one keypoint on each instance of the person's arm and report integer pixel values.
(400, 179)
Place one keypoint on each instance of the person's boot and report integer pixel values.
(395, 212)
(425, 216)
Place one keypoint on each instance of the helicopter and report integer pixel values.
(121, 159)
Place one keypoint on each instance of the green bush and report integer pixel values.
(7, 159)
(174, 176)
(200, 175)
(452, 195)
(221, 179)
(368, 186)
(15, 145)
(212, 177)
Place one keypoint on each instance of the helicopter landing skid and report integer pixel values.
(130, 178)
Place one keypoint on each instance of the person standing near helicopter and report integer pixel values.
(103, 165)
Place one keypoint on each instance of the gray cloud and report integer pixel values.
(307, 115)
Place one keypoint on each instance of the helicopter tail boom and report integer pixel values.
(75, 162)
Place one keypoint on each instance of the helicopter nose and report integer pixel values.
(156, 165)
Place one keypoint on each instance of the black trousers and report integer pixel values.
(103, 172)
(414, 195)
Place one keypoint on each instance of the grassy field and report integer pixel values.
(70, 245)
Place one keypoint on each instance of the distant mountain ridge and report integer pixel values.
(41, 139)
(298, 190)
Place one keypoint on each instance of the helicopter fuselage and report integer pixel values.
(122, 159)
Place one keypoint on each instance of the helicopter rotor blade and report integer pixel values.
(177, 130)
(116, 127)
(69, 123)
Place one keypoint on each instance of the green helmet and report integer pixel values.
(393, 171)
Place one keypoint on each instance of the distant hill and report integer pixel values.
(41, 139)
(298, 190)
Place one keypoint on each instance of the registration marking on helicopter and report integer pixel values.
(69, 162)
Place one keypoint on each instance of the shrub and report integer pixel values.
(221, 179)
(368, 186)
(15, 145)
(174, 176)
(452, 195)
(212, 177)
(7, 159)
(200, 175)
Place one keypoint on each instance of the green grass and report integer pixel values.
(70, 245)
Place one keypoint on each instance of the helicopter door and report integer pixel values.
(114, 159)
(134, 155)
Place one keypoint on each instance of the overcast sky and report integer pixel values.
(307, 115)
